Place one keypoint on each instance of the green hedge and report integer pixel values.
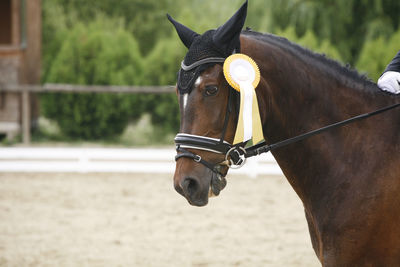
(102, 53)
(162, 65)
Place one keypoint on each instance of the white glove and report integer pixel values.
(390, 81)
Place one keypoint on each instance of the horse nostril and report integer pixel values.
(190, 186)
(178, 188)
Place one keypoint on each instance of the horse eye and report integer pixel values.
(211, 90)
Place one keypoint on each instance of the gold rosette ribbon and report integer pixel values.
(242, 73)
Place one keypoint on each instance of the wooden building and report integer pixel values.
(20, 54)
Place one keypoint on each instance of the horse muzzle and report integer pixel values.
(197, 183)
(194, 190)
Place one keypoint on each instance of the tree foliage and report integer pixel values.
(130, 42)
(347, 24)
(373, 61)
(310, 41)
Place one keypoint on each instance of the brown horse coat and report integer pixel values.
(349, 178)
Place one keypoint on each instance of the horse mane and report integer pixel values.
(347, 75)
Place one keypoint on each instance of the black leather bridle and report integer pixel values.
(234, 154)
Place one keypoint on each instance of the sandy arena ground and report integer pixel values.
(139, 220)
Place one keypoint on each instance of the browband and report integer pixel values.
(201, 62)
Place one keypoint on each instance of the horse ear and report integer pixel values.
(227, 36)
(187, 35)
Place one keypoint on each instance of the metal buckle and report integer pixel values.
(197, 158)
(242, 158)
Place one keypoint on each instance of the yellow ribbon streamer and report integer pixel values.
(258, 134)
(242, 74)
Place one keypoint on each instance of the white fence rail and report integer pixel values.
(146, 160)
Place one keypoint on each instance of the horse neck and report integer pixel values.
(299, 94)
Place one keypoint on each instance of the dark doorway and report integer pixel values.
(5, 22)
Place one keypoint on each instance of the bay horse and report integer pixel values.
(348, 178)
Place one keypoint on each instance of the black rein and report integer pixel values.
(263, 147)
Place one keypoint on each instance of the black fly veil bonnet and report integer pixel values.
(210, 48)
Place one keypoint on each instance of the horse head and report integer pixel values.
(208, 109)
